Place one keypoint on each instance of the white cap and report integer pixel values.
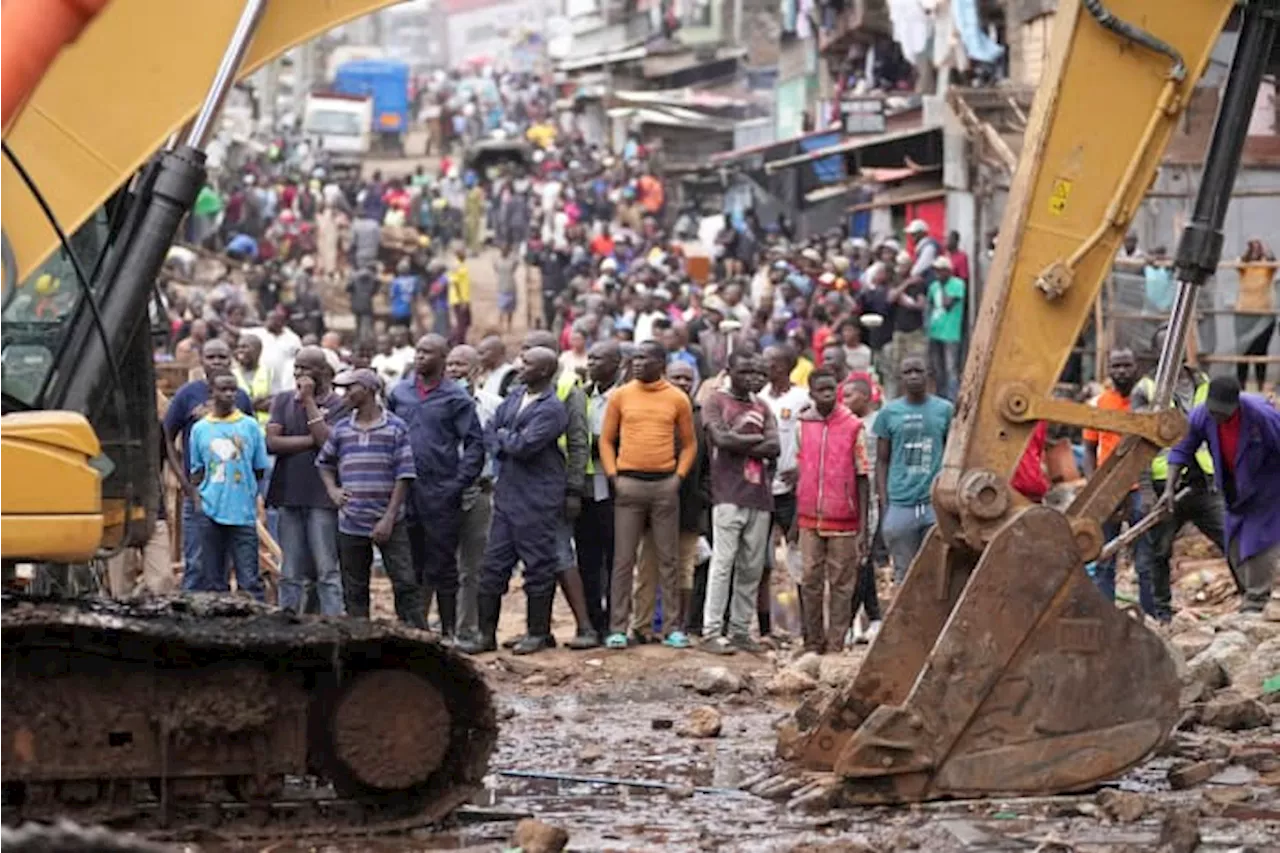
(942, 262)
(918, 226)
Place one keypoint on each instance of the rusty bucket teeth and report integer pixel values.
(1030, 683)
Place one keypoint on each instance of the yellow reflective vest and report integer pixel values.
(1160, 465)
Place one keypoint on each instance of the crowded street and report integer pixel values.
(652, 429)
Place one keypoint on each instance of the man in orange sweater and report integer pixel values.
(647, 446)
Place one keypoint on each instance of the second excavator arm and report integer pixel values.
(1000, 668)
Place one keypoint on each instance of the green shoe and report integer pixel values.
(616, 642)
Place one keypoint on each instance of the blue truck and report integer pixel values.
(386, 81)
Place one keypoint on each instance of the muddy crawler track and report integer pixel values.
(177, 715)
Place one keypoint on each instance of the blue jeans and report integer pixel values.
(220, 543)
(309, 542)
(190, 544)
(904, 529)
(1104, 574)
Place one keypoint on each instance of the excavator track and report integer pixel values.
(175, 716)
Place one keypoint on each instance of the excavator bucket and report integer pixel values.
(1000, 668)
(1011, 674)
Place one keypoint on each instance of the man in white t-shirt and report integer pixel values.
(786, 401)
(279, 345)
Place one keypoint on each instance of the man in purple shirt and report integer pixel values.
(298, 427)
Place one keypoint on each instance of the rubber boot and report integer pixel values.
(448, 602)
(488, 609)
(428, 593)
(539, 619)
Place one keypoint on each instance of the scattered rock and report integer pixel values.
(538, 679)
(1261, 760)
(1236, 774)
(843, 846)
(702, 722)
(1258, 630)
(662, 723)
(1227, 795)
(1190, 775)
(506, 712)
(1229, 649)
(716, 679)
(1234, 713)
(1193, 642)
(790, 682)
(810, 663)
(681, 792)
(1183, 621)
(1179, 833)
(1124, 806)
(534, 836)
(838, 670)
(1264, 663)
(590, 753)
(1200, 679)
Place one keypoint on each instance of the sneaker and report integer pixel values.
(616, 642)
(872, 630)
(856, 635)
(717, 646)
(677, 640)
(584, 640)
(744, 643)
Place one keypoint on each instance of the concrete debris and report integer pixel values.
(1202, 678)
(841, 846)
(1124, 806)
(1179, 833)
(1190, 775)
(702, 722)
(1228, 795)
(590, 753)
(1258, 630)
(1193, 642)
(681, 792)
(1229, 649)
(534, 836)
(1233, 712)
(1235, 774)
(790, 682)
(809, 663)
(1262, 760)
(662, 723)
(717, 680)
(1261, 665)
(838, 670)
(538, 679)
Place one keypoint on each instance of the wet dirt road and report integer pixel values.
(616, 715)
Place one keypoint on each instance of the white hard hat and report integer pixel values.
(918, 226)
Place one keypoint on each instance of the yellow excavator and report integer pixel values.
(1000, 668)
(187, 713)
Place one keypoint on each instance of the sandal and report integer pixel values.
(677, 640)
(616, 642)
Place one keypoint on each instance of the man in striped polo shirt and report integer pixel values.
(366, 465)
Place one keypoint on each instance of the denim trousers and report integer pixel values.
(220, 544)
(309, 542)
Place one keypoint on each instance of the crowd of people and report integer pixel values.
(673, 429)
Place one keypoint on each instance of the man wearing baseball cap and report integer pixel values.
(1243, 434)
(367, 466)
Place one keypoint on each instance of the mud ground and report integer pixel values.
(610, 715)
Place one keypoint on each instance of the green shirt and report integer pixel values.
(208, 203)
(917, 435)
(945, 324)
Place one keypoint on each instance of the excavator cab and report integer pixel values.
(1000, 668)
(90, 472)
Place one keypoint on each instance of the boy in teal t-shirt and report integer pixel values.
(946, 326)
(227, 458)
(911, 434)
